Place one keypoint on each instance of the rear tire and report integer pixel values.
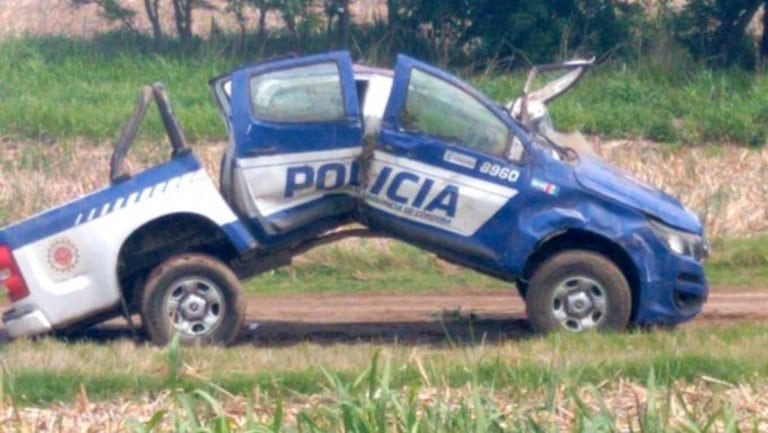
(578, 291)
(195, 295)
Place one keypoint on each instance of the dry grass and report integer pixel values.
(725, 185)
(557, 382)
(748, 345)
(35, 176)
(59, 18)
(628, 403)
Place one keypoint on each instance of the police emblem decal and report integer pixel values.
(62, 255)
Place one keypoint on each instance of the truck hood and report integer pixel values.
(601, 178)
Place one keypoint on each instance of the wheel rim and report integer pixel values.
(195, 306)
(579, 304)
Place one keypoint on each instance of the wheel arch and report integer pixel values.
(580, 239)
(165, 236)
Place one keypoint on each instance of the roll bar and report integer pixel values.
(147, 94)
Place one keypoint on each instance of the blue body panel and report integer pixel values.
(552, 197)
(257, 137)
(487, 249)
(595, 175)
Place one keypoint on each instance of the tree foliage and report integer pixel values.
(117, 10)
(715, 30)
(481, 32)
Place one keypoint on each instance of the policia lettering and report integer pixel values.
(390, 182)
(328, 176)
(446, 200)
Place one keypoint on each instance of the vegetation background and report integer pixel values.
(684, 74)
(687, 74)
(479, 33)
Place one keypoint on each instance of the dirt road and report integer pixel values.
(722, 305)
(417, 319)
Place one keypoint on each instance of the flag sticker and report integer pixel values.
(546, 187)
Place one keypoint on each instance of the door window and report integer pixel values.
(302, 94)
(437, 108)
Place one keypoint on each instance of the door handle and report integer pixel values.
(398, 150)
(262, 151)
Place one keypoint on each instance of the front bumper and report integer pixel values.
(675, 295)
(25, 322)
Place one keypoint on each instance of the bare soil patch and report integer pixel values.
(722, 304)
(429, 319)
(415, 319)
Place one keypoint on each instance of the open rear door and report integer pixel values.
(297, 130)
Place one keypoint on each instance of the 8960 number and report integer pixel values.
(497, 170)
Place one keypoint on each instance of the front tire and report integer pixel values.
(195, 295)
(578, 291)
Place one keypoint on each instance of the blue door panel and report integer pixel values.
(450, 156)
(297, 172)
(255, 137)
(490, 189)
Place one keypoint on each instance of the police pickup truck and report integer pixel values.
(317, 143)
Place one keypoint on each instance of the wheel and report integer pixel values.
(578, 291)
(196, 295)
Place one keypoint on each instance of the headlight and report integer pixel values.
(680, 242)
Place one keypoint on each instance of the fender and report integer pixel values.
(551, 223)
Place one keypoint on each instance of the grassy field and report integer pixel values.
(525, 377)
(55, 88)
(369, 266)
(366, 266)
(69, 99)
(739, 263)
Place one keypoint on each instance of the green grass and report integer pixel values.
(43, 387)
(56, 88)
(53, 88)
(739, 263)
(689, 107)
(48, 371)
(375, 400)
(366, 267)
(729, 278)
